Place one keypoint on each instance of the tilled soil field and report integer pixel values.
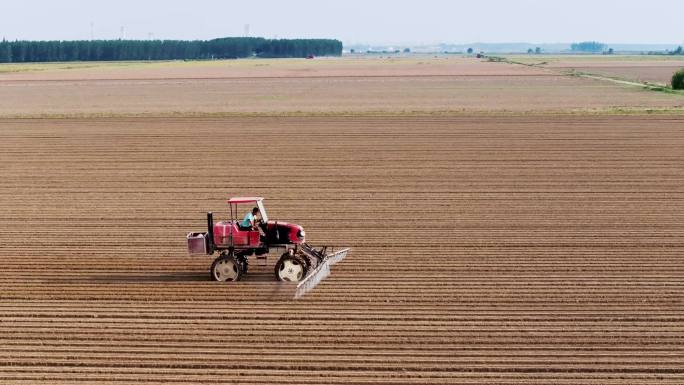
(304, 87)
(371, 66)
(485, 250)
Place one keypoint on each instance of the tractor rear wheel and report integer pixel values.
(225, 269)
(290, 268)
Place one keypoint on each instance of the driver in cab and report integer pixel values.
(250, 222)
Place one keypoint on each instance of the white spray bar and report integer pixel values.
(318, 274)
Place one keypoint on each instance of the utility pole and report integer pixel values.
(92, 31)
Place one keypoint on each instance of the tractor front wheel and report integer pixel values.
(225, 269)
(290, 268)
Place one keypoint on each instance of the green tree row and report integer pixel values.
(588, 46)
(299, 48)
(22, 51)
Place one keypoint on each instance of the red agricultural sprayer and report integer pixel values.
(236, 240)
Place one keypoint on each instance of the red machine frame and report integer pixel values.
(299, 263)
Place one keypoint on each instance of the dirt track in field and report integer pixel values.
(485, 250)
(658, 70)
(656, 75)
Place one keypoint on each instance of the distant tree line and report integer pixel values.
(588, 46)
(678, 51)
(22, 51)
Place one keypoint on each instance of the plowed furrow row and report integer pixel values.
(486, 250)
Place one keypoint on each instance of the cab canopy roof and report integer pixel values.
(245, 199)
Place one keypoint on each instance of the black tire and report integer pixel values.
(242, 260)
(290, 268)
(225, 268)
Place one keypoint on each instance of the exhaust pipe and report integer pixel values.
(210, 233)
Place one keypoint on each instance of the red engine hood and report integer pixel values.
(282, 224)
(295, 233)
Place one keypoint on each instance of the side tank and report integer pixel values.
(222, 232)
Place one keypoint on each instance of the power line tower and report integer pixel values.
(92, 31)
(246, 30)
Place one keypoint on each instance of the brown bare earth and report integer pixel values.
(657, 70)
(486, 250)
(500, 234)
(427, 85)
(271, 68)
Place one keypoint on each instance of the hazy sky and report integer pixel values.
(353, 21)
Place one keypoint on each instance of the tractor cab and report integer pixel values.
(232, 233)
(239, 205)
